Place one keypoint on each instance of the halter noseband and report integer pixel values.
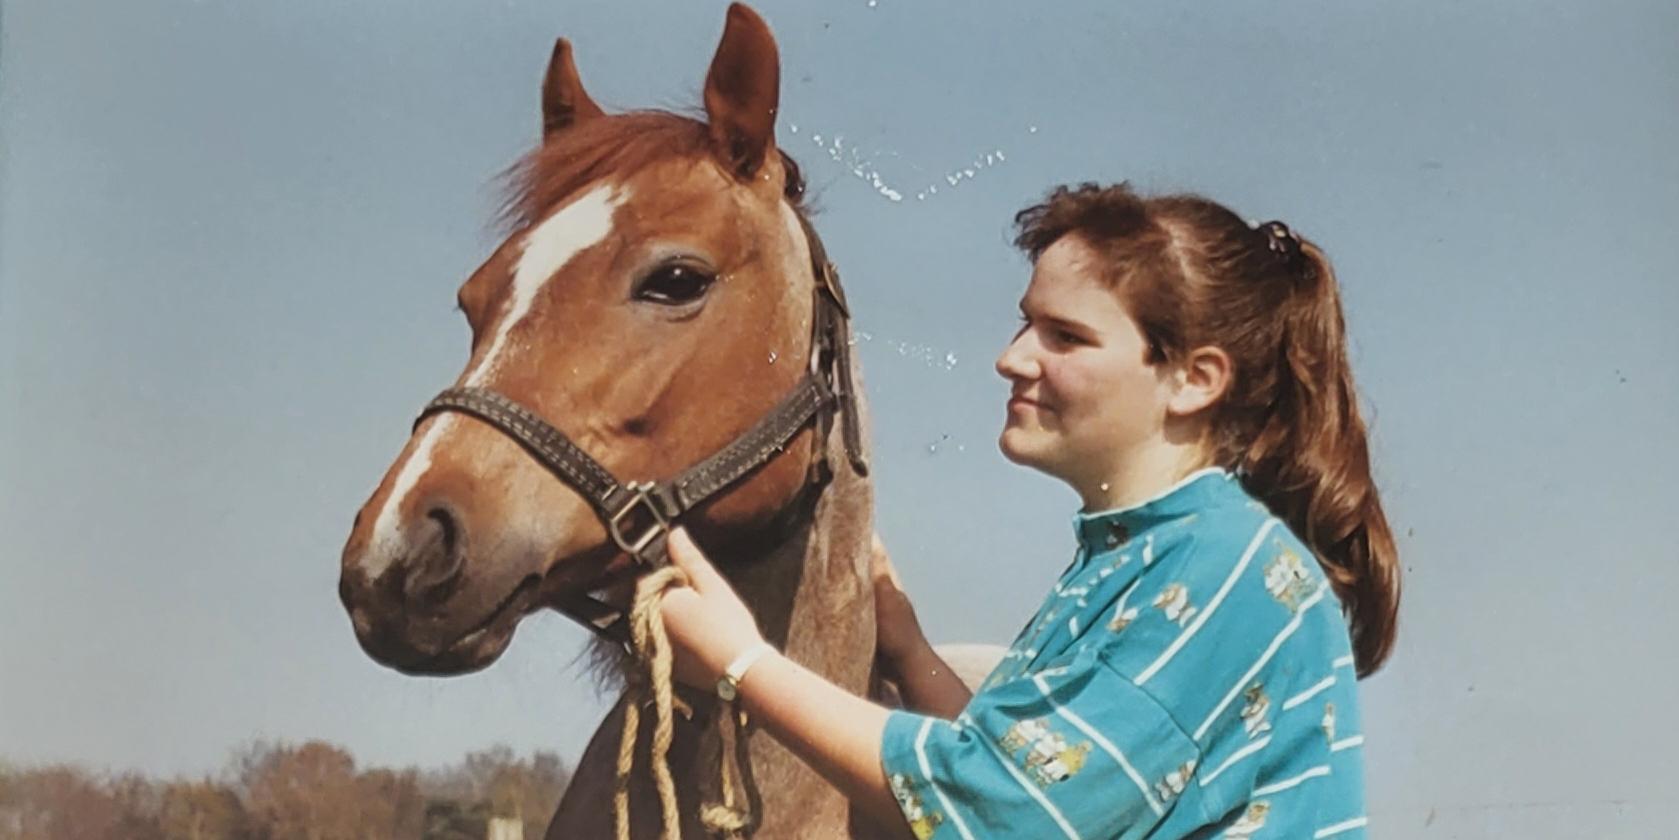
(639, 515)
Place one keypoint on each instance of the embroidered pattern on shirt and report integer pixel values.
(1173, 784)
(922, 822)
(1174, 602)
(1023, 732)
(1253, 713)
(1048, 757)
(1252, 820)
(1288, 581)
(1122, 618)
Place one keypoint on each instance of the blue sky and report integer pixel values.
(230, 235)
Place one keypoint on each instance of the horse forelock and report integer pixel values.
(611, 147)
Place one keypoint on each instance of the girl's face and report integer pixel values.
(1084, 400)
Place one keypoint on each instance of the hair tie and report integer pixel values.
(1280, 239)
(1285, 244)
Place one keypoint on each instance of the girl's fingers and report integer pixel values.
(685, 555)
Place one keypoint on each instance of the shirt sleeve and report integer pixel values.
(1073, 750)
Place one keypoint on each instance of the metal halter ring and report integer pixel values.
(660, 526)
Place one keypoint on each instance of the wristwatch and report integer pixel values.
(728, 685)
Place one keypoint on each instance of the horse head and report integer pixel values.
(653, 302)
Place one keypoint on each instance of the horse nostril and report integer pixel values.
(438, 560)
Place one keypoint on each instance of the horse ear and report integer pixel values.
(564, 102)
(742, 92)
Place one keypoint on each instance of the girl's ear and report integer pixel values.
(1200, 380)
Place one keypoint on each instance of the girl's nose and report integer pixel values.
(1017, 361)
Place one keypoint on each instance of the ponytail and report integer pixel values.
(1310, 462)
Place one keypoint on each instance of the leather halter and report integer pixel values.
(640, 515)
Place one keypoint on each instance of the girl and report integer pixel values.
(1193, 672)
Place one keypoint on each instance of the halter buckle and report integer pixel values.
(640, 496)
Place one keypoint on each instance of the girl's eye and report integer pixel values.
(675, 284)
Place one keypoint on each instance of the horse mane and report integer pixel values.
(583, 153)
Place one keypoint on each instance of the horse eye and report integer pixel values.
(674, 285)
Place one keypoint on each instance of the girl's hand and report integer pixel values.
(898, 633)
(707, 622)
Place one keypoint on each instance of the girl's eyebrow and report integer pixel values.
(1056, 320)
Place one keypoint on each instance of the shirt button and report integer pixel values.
(1116, 535)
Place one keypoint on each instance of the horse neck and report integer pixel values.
(811, 591)
(809, 587)
(814, 600)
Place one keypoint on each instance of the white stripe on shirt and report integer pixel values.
(927, 770)
(1347, 743)
(1344, 661)
(1236, 756)
(1126, 595)
(1027, 785)
(1320, 770)
(1308, 693)
(1288, 630)
(1107, 746)
(1207, 611)
(1337, 828)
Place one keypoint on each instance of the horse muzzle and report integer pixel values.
(432, 607)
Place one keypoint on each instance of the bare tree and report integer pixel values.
(203, 810)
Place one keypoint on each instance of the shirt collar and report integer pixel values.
(1105, 530)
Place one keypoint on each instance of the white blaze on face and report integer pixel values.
(546, 250)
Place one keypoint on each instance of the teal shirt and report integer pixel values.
(1190, 675)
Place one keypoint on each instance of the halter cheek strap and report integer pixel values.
(640, 515)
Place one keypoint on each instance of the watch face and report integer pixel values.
(725, 689)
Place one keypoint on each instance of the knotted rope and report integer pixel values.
(651, 646)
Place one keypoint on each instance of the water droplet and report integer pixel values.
(1032, 130)
(1104, 487)
(950, 359)
(772, 357)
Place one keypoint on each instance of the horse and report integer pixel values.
(661, 302)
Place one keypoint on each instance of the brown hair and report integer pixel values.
(1192, 273)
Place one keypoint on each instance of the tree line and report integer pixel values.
(276, 791)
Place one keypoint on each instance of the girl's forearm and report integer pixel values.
(928, 684)
(834, 731)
